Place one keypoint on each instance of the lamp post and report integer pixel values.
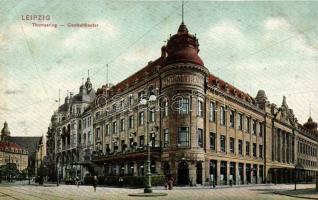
(147, 189)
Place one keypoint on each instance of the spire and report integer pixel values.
(182, 12)
(309, 110)
(284, 101)
(88, 83)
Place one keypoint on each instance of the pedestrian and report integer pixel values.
(170, 182)
(94, 182)
(77, 181)
(121, 181)
(190, 182)
(166, 182)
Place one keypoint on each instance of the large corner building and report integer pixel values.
(200, 127)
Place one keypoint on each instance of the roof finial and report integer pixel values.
(82, 81)
(88, 73)
(310, 110)
(182, 11)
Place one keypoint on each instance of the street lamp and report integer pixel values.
(147, 189)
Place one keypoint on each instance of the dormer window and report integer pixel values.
(141, 95)
(152, 90)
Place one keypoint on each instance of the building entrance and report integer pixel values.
(183, 173)
(199, 173)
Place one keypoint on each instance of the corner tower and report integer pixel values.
(183, 86)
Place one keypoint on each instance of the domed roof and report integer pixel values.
(310, 124)
(261, 96)
(5, 129)
(183, 47)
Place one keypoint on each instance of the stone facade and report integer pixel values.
(200, 128)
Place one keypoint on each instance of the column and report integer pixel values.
(218, 172)
(273, 144)
(244, 174)
(135, 169)
(258, 175)
(278, 150)
(237, 173)
(228, 172)
(285, 150)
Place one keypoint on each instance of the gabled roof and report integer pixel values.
(217, 82)
(148, 70)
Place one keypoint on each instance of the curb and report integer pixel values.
(295, 196)
(155, 194)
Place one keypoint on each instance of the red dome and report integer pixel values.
(183, 47)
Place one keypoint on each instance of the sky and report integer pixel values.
(254, 45)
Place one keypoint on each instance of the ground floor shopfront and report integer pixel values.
(288, 175)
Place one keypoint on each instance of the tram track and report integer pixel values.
(10, 196)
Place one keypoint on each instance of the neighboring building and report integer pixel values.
(70, 134)
(40, 155)
(200, 128)
(27, 144)
(11, 152)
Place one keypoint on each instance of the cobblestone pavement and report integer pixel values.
(51, 192)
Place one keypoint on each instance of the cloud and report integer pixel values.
(224, 33)
(278, 30)
(276, 23)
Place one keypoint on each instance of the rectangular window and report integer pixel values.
(183, 136)
(152, 115)
(222, 115)
(131, 121)
(107, 129)
(260, 151)
(240, 122)
(232, 118)
(254, 124)
(130, 99)
(200, 138)
(141, 118)
(141, 141)
(165, 137)
(97, 133)
(212, 111)
(122, 124)
(240, 147)
(166, 108)
(212, 141)
(200, 108)
(222, 142)
(232, 145)
(247, 144)
(97, 115)
(248, 124)
(254, 149)
(114, 127)
(261, 129)
(184, 106)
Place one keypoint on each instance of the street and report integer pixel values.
(34, 192)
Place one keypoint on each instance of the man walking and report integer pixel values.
(94, 182)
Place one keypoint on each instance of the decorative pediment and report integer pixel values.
(285, 115)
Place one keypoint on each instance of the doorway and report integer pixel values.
(183, 173)
(199, 173)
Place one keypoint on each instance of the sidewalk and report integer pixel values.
(210, 187)
(308, 193)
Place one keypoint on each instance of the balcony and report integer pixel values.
(130, 153)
